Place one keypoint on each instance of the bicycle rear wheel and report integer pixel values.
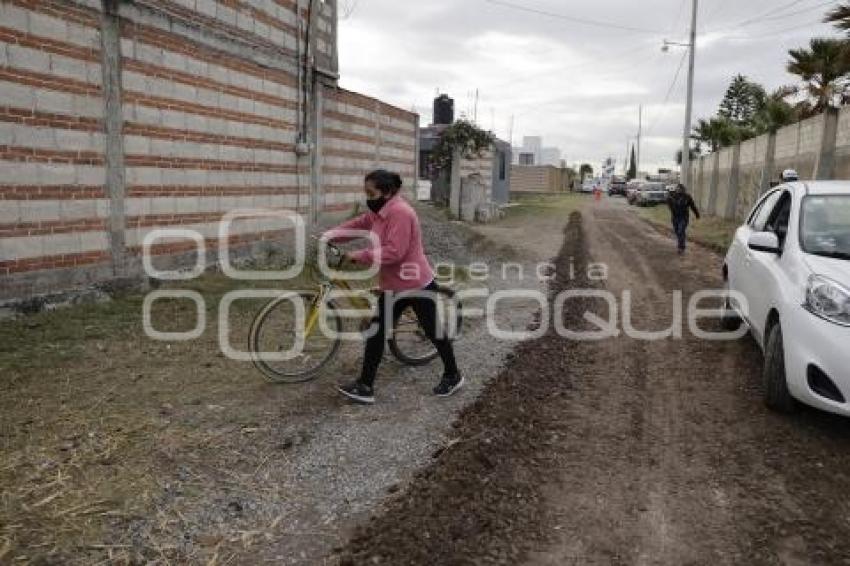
(409, 343)
(274, 330)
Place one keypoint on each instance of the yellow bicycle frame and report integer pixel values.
(324, 290)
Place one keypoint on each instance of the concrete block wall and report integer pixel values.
(361, 134)
(842, 145)
(482, 166)
(536, 179)
(54, 206)
(725, 159)
(121, 117)
(729, 182)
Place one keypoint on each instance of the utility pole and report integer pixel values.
(475, 109)
(511, 133)
(639, 134)
(686, 138)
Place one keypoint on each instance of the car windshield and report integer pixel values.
(653, 187)
(825, 226)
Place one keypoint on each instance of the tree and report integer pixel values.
(585, 170)
(716, 133)
(632, 172)
(823, 68)
(742, 101)
(840, 17)
(696, 150)
(776, 112)
(462, 136)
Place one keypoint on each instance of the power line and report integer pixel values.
(673, 84)
(772, 15)
(764, 15)
(574, 19)
(717, 9)
(539, 105)
(774, 32)
(590, 62)
(798, 12)
(678, 16)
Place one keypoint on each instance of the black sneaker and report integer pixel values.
(449, 385)
(358, 392)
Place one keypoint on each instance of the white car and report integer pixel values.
(791, 262)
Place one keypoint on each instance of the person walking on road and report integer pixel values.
(405, 277)
(681, 204)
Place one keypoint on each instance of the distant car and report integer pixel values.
(617, 188)
(632, 188)
(652, 194)
(791, 262)
(587, 186)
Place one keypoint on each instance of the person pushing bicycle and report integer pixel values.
(403, 268)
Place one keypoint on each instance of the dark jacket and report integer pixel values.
(680, 204)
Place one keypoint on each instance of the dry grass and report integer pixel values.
(560, 205)
(112, 445)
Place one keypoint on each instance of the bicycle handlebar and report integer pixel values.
(335, 251)
(333, 247)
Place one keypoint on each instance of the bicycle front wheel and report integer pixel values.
(276, 330)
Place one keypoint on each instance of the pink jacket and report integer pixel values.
(401, 254)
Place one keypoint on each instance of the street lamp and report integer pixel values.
(666, 46)
(686, 137)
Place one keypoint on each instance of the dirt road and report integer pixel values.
(626, 451)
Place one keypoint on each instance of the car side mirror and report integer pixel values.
(767, 242)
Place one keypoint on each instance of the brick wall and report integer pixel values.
(360, 134)
(54, 208)
(119, 118)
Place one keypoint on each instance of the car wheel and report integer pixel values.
(729, 319)
(776, 394)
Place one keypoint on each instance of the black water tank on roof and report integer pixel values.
(444, 110)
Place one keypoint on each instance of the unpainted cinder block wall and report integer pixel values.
(729, 182)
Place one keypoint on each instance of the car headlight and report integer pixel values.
(828, 299)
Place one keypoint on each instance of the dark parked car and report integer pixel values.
(617, 188)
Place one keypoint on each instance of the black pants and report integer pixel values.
(680, 227)
(425, 308)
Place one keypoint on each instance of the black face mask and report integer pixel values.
(376, 204)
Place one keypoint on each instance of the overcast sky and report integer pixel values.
(578, 86)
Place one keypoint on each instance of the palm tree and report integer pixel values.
(823, 67)
(716, 133)
(777, 112)
(840, 16)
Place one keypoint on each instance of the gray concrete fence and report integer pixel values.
(728, 182)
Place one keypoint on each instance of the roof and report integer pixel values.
(824, 187)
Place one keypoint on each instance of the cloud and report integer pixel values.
(578, 86)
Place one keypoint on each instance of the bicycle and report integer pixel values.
(276, 324)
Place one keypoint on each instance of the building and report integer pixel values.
(525, 158)
(493, 167)
(125, 118)
(550, 156)
(533, 152)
